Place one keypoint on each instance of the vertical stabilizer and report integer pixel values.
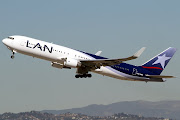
(158, 63)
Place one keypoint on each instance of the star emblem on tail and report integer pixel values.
(162, 59)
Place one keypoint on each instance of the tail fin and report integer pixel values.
(159, 62)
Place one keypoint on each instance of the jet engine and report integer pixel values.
(71, 63)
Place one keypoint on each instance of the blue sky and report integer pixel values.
(118, 28)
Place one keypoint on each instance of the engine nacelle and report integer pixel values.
(57, 65)
(71, 63)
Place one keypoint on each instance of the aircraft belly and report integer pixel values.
(107, 72)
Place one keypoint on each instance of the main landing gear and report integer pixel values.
(83, 75)
(12, 56)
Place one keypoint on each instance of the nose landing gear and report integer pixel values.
(13, 52)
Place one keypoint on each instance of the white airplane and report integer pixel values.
(63, 57)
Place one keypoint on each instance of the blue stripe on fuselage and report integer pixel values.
(132, 70)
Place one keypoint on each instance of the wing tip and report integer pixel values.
(138, 53)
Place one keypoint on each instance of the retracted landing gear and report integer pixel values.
(83, 75)
(12, 56)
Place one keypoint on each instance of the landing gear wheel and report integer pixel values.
(83, 75)
(89, 75)
(12, 56)
(76, 76)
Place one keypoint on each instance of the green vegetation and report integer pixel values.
(33, 115)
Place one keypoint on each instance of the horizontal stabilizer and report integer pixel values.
(159, 76)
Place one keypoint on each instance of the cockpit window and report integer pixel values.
(11, 38)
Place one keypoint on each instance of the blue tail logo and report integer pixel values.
(159, 62)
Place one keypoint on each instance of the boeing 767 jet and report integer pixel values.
(63, 57)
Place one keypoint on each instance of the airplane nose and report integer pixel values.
(6, 42)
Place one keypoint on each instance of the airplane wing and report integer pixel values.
(108, 62)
